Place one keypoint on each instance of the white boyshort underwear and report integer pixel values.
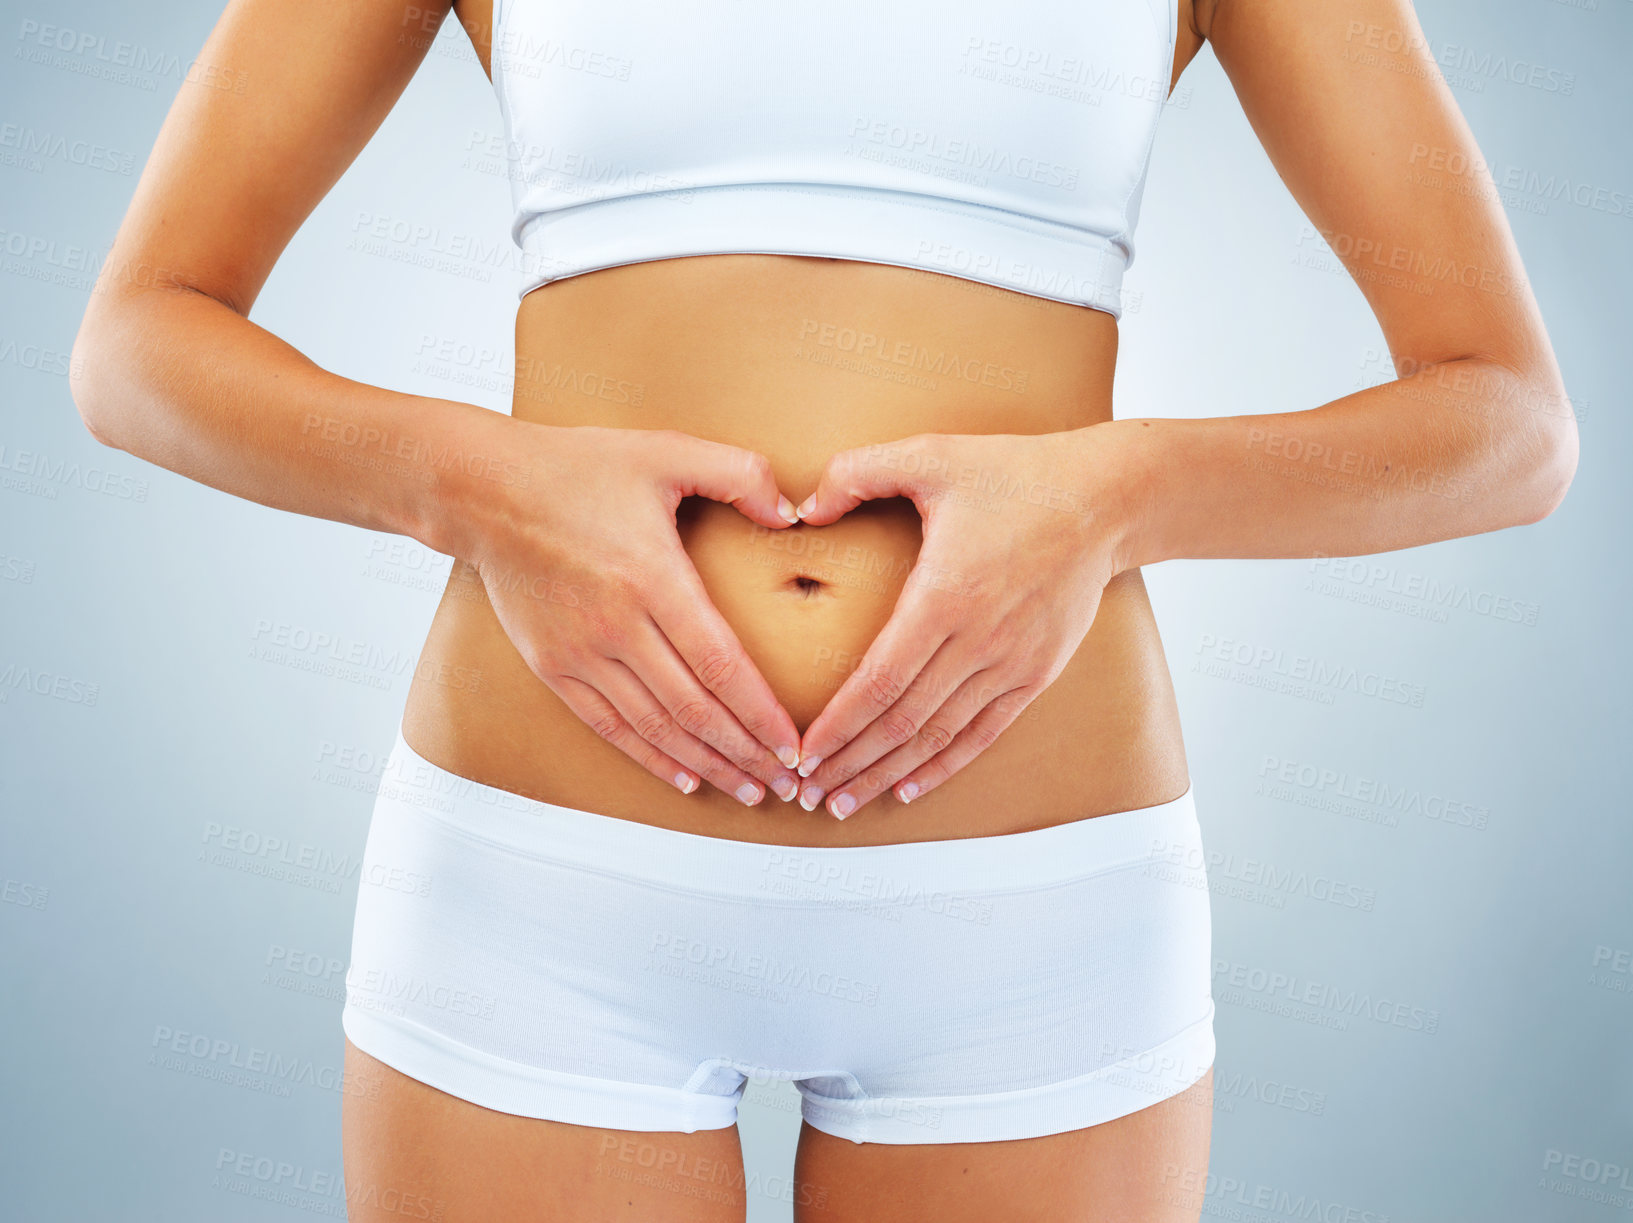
(560, 964)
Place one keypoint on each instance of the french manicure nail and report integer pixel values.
(810, 797)
(843, 806)
(788, 755)
(684, 783)
(809, 765)
(748, 793)
(785, 507)
(908, 792)
(786, 788)
(806, 506)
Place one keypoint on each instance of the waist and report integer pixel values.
(798, 359)
(1164, 834)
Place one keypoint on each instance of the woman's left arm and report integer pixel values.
(1476, 434)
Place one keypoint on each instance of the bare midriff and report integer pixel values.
(798, 358)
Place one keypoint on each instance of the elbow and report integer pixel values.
(1553, 453)
(93, 375)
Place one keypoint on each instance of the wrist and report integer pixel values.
(1119, 464)
(479, 471)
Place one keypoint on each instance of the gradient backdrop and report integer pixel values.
(181, 814)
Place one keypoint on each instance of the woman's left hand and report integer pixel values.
(1021, 535)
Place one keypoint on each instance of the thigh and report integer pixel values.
(1147, 1167)
(412, 1151)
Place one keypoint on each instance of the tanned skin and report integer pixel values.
(1015, 678)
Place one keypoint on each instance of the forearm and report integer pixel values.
(182, 380)
(1455, 449)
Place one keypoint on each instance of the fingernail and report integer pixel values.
(749, 793)
(806, 506)
(810, 797)
(908, 792)
(785, 507)
(808, 765)
(842, 806)
(788, 755)
(685, 783)
(786, 788)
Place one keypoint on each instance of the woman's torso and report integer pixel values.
(799, 358)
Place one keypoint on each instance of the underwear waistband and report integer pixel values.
(1167, 833)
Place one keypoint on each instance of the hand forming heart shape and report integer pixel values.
(1019, 543)
(1021, 536)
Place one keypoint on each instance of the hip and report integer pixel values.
(511, 953)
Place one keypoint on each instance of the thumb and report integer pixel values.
(904, 468)
(738, 477)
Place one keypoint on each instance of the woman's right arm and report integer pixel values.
(572, 529)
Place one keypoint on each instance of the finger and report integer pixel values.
(969, 743)
(942, 676)
(688, 619)
(697, 712)
(738, 477)
(936, 734)
(891, 663)
(596, 712)
(652, 723)
(866, 473)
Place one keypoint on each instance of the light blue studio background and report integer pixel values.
(1463, 865)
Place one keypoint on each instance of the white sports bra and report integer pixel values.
(1004, 142)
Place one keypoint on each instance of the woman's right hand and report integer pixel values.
(584, 567)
